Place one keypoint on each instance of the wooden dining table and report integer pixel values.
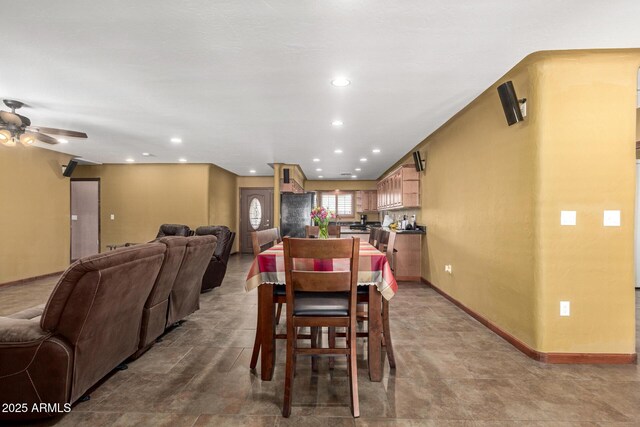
(374, 272)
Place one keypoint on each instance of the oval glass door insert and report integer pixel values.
(255, 213)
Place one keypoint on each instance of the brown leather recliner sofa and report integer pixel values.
(217, 268)
(174, 230)
(90, 324)
(176, 292)
(185, 294)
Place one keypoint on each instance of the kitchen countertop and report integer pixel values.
(346, 230)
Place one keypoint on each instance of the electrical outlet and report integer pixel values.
(113, 216)
(447, 269)
(565, 308)
(567, 217)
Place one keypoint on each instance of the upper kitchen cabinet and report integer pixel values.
(292, 186)
(366, 201)
(399, 189)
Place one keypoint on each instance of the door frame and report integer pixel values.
(240, 206)
(99, 212)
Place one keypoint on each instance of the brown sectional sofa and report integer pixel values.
(104, 309)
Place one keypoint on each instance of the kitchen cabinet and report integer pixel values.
(292, 187)
(399, 189)
(366, 201)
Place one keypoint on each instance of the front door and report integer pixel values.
(85, 218)
(256, 213)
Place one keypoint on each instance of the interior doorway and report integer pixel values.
(256, 213)
(85, 217)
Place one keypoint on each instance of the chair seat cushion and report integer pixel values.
(280, 290)
(321, 304)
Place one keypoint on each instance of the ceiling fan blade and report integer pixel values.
(61, 132)
(44, 138)
(11, 118)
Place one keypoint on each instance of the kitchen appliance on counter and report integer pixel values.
(363, 219)
(295, 211)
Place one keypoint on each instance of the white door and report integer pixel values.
(637, 224)
(85, 218)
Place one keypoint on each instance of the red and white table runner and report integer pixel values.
(373, 269)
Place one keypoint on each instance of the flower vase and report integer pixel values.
(323, 232)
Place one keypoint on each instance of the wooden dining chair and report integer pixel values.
(321, 298)
(312, 231)
(259, 241)
(374, 236)
(363, 299)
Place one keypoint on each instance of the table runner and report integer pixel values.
(373, 269)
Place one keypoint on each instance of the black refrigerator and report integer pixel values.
(295, 213)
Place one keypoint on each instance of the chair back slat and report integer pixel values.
(321, 281)
(261, 238)
(329, 249)
(312, 231)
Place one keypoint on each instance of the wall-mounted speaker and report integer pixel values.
(68, 169)
(510, 103)
(286, 178)
(417, 160)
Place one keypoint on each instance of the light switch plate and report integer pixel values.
(611, 219)
(113, 216)
(74, 217)
(567, 217)
(565, 308)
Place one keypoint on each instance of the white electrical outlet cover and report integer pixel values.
(113, 216)
(567, 217)
(565, 308)
(74, 217)
(611, 219)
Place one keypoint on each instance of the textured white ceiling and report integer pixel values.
(246, 83)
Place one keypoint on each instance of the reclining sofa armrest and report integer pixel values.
(16, 331)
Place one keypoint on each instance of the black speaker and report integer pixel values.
(68, 170)
(417, 160)
(510, 103)
(285, 173)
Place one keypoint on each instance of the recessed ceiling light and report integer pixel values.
(320, 176)
(376, 150)
(319, 170)
(62, 141)
(182, 160)
(129, 160)
(337, 151)
(358, 169)
(364, 159)
(316, 160)
(176, 140)
(337, 123)
(252, 171)
(340, 82)
(146, 154)
(354, 176)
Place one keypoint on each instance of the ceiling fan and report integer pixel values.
(15, 127)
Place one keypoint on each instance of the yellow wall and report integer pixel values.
(586, 145)
(144, 196)
(492, 195)
(223, 200)
(34, 212)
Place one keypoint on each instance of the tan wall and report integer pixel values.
(34, 211)
(144, 196)
(346, 185)
(492, 196)
(223, 200)
(478, 206)
(586, 145)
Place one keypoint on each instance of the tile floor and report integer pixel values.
(451, 371)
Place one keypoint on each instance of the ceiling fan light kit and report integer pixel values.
(15, 127)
